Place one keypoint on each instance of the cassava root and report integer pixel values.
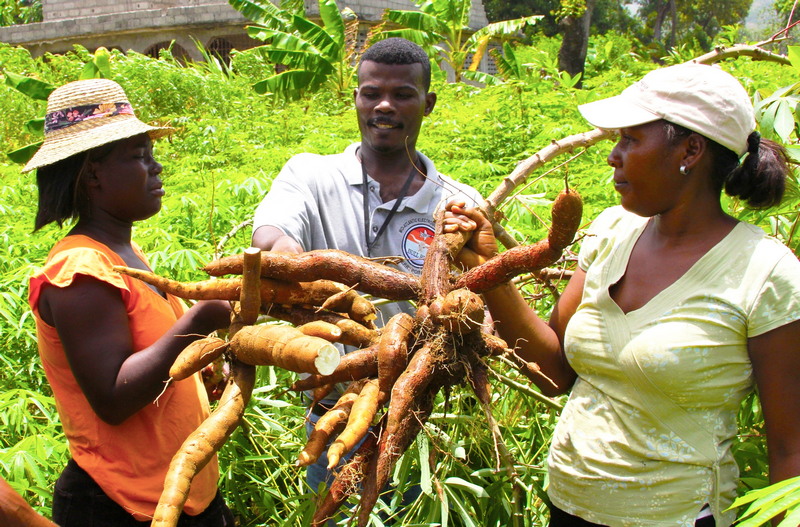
(400, 368)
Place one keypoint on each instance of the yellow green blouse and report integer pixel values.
(645, 437)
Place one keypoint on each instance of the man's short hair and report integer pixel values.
(397, 50)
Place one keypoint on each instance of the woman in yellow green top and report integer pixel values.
(675, 313)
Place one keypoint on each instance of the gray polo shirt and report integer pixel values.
(318, 201)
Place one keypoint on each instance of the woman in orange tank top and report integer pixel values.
(107, 341)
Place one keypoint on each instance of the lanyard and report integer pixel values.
(403, 192)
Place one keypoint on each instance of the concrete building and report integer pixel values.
(146, 26)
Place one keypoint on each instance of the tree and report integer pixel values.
(787, 10)
(497, 10)
(614, 15)
(442, 26)
(662, 9)
(607, 15)
(702, 20)
(14, 12)
(314, 54)
(684, 20)
(576, 19)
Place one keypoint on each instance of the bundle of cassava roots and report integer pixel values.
(392, 378)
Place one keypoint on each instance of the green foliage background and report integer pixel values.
(229, 146)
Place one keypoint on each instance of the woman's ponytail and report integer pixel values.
(760, 179)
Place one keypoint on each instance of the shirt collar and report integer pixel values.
(352, 172)
(420, 202)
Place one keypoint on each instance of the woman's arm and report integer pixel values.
(15, 511)
(92, 323)
(519, 325)
(534, 339)
(775, 356)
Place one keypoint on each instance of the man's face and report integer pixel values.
(391, 102)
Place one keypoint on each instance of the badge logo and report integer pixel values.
(416, 240)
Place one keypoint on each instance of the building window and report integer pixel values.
(221, 48)
(178, 51)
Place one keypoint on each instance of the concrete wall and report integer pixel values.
(145, 25)
(135, 30)
(373, 9)
(66, 9)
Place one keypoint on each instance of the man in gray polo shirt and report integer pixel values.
(378, 197)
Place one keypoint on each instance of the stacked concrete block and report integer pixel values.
(146, 26)
(67, 9)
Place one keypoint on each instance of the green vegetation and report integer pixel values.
(20, 12)
(230, 144)
(314, 55)
(442, 28)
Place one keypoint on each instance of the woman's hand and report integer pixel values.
(206, 316)
(536, 340)
(16, 512)
(482, 244)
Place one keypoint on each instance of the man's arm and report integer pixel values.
(269, 238)
(281, 221)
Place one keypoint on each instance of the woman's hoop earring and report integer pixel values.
(683, 170)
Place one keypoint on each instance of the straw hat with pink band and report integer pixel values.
(704, 99)
(83, 115)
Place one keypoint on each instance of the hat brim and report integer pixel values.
(616, 112)
(58, 147)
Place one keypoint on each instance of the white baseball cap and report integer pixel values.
(704, 99)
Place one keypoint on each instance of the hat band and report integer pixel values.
(67, 117)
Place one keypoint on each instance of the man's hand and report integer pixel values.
(268, 238)
(482, 244)
(286, 244)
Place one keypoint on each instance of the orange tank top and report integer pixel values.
(129, 461)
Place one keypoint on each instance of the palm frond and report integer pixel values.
(264, 13)
(332, 21)
(291, 84)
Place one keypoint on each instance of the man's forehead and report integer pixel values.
(373, 72)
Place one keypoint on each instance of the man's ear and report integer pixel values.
(430, 102)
